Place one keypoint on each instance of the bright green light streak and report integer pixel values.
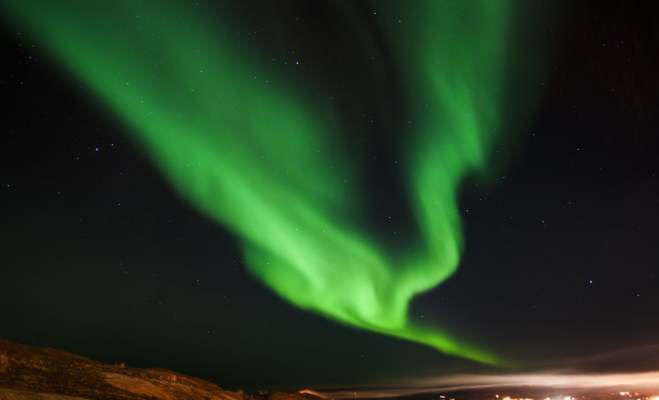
(247, 150)
(453, 55)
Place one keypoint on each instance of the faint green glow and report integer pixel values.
(245, 148)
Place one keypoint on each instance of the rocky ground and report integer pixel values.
(33, 373)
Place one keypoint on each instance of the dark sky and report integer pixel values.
(101, 257)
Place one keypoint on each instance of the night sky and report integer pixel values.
(102, 256)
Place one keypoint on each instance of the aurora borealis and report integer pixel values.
(240, 144)
(284, 194)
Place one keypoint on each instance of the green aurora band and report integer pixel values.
(246, 148)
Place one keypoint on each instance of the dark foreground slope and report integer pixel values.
(33, 373)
